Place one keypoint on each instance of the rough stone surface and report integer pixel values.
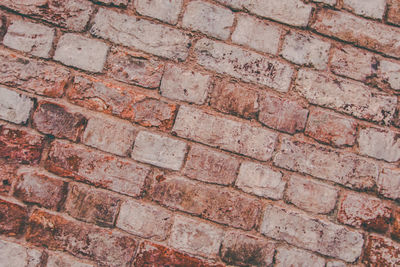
(389, 182)
(381, 251)
(296, 257)
(14, 107)
(380, 144)
(62, 260)
(393, 12)
(369, 8)
(13, 218)
(12, 254)
(167, 11)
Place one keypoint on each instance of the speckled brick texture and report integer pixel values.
(180, 133)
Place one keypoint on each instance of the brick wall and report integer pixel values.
(199, 133)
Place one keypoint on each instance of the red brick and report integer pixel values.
(297, 257)
(105, 246)
(7, 175)
(362, 211)
(393, 14)
(381, 251)
(396, 224)
(59, 121)
(12, 218)
(38, 187)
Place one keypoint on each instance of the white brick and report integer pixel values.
(296, 258)
(328, 2)
(390, 73)
(60, 260)
(380, 144)
(257, 34)
(81, 52)
(260, 180)
(336, 264)
(368, 8)
(167, 11)
(29, 37)
(15, 255)
(159, 150)
(208, 19)
(14, 107)
(389, 183)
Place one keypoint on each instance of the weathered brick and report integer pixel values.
(159, 150)
(328, 2)
(260, 180)
(134, 68)
(7, 175)
(124, 102)
(331, 128)
(381, 251)
(396, 224)
(20, 145)
(142, 34)
(63, 260)
(227, 134)
(97, 168)
(38, 77)
(15, 255)
(212, 202)
(257, 34)
(393, 12)
(59, 120)
(336, 264)
(196, 237)
(145, 220)
(362, 211)
(379, 143)
(184, 84)
(246, 250)
(310, 233)
(289, 256)
(81, 52)
(210, 166)
(73, 14)
(340, 167)
(243, 64)
(235, 99)
(362, 32)
(110, 135)
(282, 114)
(389, 182)
(167, 11)
(369, 8)
(30, 37)
(110, 248)
(389, 74)
(305, 49)
(12, 218)
(39, 187)
(346, 96)
(311, 195)
(14, 107)
(209, 19)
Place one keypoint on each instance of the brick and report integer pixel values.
(246, 250)
(91, 205)
(12, 254)
(185, 85)
(167, 11)
(305, 49)
(328, 2)
(361, 32)
(235, 4)
(37, 77)
(296, 257)
(381, 251)
(209, 19)
(39, 187)
(124, 102)
(105, 246)
(340, 167)
(212, 202)
(331, 128)
(227, 134)
(379, 143)
(311, 195)
(144, 220)
(13, 218)
(396, 224)
(142, 34)
(335, 264)
(362, 211)
(389, 74)
(389, 183)
(97, 168)
(371, 8)
(210, 166)
(20, 145)
(393, 12)
(242, 64)
(257, 34)
(7, 175)
(159, 150)
(235, 99)
(196, 237)
(62, 260)
(282, 114)
(15, 107)
(81, 52)
(260, 180)
(313, 234)
(135, 69)
(29, 37)
(346, 96)
(59, 120)
(110, 135)
(73, 15)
